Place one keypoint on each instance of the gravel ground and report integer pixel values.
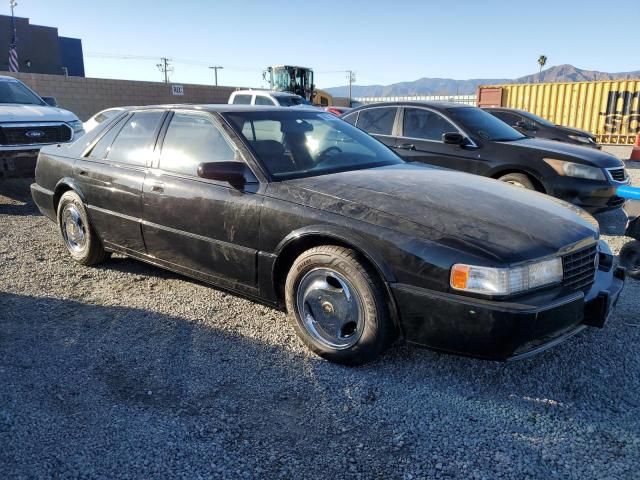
(128, 371)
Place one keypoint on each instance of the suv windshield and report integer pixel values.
(295, 144)
(16, 92)
(291, 100)
(484, 125)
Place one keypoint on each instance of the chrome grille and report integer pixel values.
(34, 134)
(580, 268)
(617, 174)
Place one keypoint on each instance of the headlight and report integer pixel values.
(505, 281)
(581, 139)
(577, 170)
(76, 125)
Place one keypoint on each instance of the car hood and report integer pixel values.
(575, 131)
(564, 151)
(482, 216)
(34, 113)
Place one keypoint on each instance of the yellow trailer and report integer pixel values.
(608, 109)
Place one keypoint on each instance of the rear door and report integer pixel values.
(204, 227)
(421, 141)
(111, 175)
(380, 123)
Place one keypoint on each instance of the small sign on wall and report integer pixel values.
(177, 89)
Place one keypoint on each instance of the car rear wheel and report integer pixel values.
(81, 241)
(630, 259)
(337, 305)
(518, 180)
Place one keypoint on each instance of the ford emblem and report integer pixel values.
(34, 133)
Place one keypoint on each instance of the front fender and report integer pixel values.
(342, 235)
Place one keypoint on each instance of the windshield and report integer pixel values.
(295, 144)
(291, 100)
(16, 92)
(484, 125)
(536, 118)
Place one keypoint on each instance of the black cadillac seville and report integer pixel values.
(298, 209)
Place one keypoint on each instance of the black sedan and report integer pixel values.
(466, 138)
(298, 209)
(534, 126)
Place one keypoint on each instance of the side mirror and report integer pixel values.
(453, 138)
(231, 171)
(525, 125)
(51, 101)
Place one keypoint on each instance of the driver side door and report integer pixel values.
(421, 141)
(206, 228)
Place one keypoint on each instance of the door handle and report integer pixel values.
(84, 173)
(406, 146)
(157, 187)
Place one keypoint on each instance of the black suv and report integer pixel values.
(466, 138)
(534, 126)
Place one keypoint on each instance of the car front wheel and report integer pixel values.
(81, 240)
(518, 180)
(337, 305)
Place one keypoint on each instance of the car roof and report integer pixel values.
(6, 78)
(431, 104)
(221, 107)
(265, 92)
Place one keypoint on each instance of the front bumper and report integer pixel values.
(18, 162)
(500, 330)
(594, 196)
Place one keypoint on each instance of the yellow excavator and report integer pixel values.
(298, 80)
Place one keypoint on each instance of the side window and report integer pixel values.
(242, 100)
(135, 141)
(377, 121)
(260, 100)
(508, 118)
(100, 149)
(425, 124)
(259, 130)
(191, 140)
(351, 118)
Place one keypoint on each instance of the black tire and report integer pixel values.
(90, 251)
(519, 180)
(376, 329)
(630, 258)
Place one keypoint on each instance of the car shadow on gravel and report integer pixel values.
(103, 391)
(15, 197)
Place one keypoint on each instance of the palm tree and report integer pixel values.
(542, 61)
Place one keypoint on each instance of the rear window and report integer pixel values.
(135, 141)
(377, 121)
(242, 100)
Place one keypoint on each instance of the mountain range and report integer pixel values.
(449, 86)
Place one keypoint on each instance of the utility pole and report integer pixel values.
(352, 79)
(165, 68)
(215, 72)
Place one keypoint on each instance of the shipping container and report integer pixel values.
(608, 109)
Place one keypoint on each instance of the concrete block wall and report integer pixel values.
(86, 96)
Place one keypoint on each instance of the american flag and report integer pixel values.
(14, 66)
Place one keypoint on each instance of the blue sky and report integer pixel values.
(382, 41)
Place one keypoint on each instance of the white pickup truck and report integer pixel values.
(28, 123)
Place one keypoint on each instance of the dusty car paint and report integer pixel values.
(410, 221)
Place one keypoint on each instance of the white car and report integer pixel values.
(267, 97)
(101, 116)
(27, 123)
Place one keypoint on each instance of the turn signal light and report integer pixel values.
(460, 276)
